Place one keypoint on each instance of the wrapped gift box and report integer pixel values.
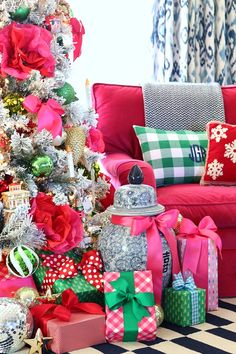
(85, 291)
(83, 330)
(9, 284)
(121, 323)
(198, 254)
(184, 307)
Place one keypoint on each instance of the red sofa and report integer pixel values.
(120, 107)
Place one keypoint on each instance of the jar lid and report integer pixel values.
(135, 198)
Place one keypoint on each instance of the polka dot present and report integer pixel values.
(91, 267)
(60, 278)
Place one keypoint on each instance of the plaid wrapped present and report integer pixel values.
(130, 312)
(61, 272)
(184, 304)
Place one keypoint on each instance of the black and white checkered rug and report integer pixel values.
(216, 336)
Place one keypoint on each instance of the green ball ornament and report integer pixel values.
(22, 261)
(20, 14)
(42, 166)
(67, 92)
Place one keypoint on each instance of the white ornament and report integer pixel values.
(58, 140)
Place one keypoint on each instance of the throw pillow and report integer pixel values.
(220, 167)
(176, 156)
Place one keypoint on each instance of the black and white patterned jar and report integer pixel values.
(122, 251)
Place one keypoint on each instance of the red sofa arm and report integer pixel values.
(118, 165)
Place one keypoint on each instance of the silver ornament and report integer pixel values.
(16, 324)
(59, 78)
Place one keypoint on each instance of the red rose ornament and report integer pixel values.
(25, 47)
(61, 224)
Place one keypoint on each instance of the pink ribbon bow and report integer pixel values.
(194, 234)
(61, 267)
(49, 114)
(152, 225)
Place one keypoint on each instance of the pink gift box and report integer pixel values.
(83, 330)
(115, 319)
(206, 275)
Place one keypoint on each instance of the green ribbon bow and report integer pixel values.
(134, 305)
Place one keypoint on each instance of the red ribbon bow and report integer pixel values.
(152, 225)
(91, 267)
(49, 114)
(44, 312)
(61, 267)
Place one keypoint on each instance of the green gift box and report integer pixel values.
(85, 291)
(184, 307)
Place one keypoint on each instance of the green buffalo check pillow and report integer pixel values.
(175, 156)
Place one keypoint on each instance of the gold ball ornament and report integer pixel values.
(27, 296)
(75, 140)
(13, 102)
(159, 315)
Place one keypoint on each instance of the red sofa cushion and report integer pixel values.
(119, 107)
(229, 97)
(195, 201)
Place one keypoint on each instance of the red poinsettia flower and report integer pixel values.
(95, 140)
(61, 224)
(25, 47)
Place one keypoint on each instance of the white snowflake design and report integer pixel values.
(230, 151)
(215, 169)
(218, 133)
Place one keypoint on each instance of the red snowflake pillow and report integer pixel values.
(220, 166)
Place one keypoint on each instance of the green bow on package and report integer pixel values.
(134, 304)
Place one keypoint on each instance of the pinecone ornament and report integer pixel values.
(75, 139)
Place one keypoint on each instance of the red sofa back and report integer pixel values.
(121, 106)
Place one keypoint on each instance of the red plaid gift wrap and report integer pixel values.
(115, 321)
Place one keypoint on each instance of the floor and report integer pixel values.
(216, 336)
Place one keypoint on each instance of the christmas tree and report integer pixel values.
(50, 183)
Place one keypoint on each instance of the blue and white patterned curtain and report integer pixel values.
(195, 41)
